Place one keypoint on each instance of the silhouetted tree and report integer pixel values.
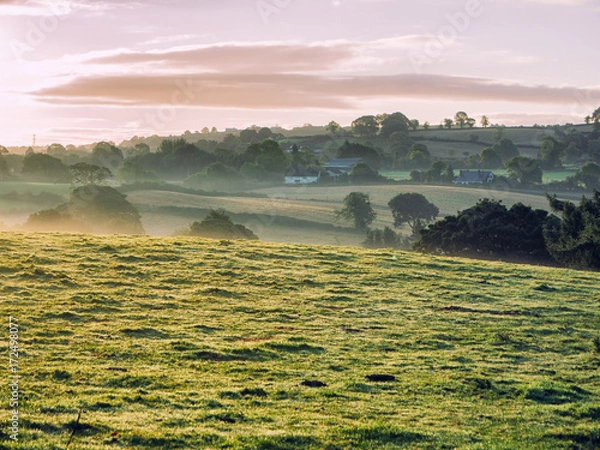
(489, 230)
(365, 126)
(575, 241)
(357, 208)
(525, 171)
(412, 209)
(83, 173)
(218, 225)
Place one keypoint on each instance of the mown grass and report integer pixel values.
(179, 343)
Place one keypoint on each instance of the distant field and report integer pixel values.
(180, 343)
(273, 218)
(449, 199)
(559, 175)
(297, 214)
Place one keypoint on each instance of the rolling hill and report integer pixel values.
(178, 343)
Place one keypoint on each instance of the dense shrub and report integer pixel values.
(218, 225)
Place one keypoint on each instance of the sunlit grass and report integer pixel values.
(185, 343)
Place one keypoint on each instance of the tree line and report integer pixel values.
(488, 230)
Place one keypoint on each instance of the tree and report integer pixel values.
(412, 209)
(218, 225)
(382, 239)
(575, 240)
(357, 208)
(439, 172)
(362, 173)
(4, 169)
(214, 130)
(132, 172)
(490, 159)
(355, 150)
(414, 124)
(489, 230)
(596, 116)
(205, 130)
(249, 136)
(91, 208)
(461, 119)
(551, 153)
(265, 133)
(333, 127)
(83, 174)
(56, 150)
(42, 167)
(506, 149)
(107, 155)
(448, 123)
(365, 126)
(419, 156)
(485, 122)
(426, 126)
(589, 175)
(393, 123)
(216, 177)
(588, 120)
(499, 133)
(265, 160)
(525, 171)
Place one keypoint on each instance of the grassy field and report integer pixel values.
(296, 214)
(273, 218)
(179, 343)
(557, 175)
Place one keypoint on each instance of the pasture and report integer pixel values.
(179, 343)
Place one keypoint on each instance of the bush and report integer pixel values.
(218, 225)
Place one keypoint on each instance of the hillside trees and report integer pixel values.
(42, 167)
(575, 241)
(525, 171)
(91, 208)
(489, 230)
(412, 209)
(333, 127)
(105, 154)
(491, 159)
(589, 175)
(462, 118)
(365, 126)
(83, 174)
(393, 123)
(551, 153)
(357, 208)
(506, 148)
(264, 161)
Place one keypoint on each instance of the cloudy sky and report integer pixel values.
(79, 71)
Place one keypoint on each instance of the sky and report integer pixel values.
(79, 71)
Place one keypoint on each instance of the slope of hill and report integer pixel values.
(179, 343)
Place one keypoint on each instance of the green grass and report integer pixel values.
(179, 343)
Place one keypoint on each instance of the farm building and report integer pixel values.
(301, 176)
(467, 177)
(339, 166)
